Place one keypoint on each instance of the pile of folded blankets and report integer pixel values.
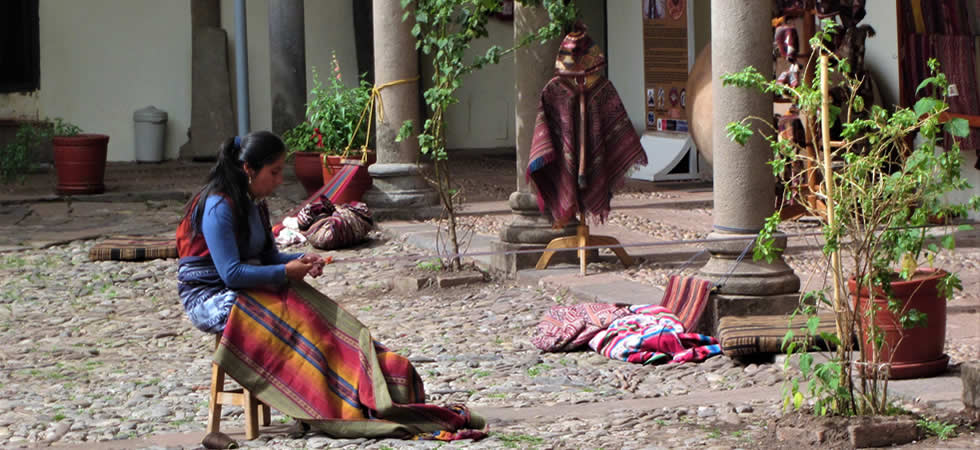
(325, 226)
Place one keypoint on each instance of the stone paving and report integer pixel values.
(99, 354)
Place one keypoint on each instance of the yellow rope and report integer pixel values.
(369, 112)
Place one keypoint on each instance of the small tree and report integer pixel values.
(445, 29)
(879, 198)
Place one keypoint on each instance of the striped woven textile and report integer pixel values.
(686, 297)
(749, 335)
(133, 248)
(302, 354)
(652, 335)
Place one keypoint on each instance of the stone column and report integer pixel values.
(399, 191)
(744, 187)
(287, 59)
(534, 65)
(212, 110)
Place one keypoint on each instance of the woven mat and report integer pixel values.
(134, 248)
(748, 335)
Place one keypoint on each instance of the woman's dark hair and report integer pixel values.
(228, 177)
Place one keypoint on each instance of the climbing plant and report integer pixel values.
(445, 30)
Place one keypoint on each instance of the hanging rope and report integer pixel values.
(374, 99)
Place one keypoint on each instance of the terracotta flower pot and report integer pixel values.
(911, 352)
(80, 163)
(308, 171)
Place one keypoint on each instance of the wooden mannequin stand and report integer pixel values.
(582, 237)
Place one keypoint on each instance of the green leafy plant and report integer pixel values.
(940, 429)
(334, 112)
(881, 194)
(15, 158)
(445, 30)
(300, 138)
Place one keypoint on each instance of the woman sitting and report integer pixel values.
(290, 345)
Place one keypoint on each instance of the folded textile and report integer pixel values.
(348, 225)
(650, 336)
(750, 335)
(566, 328)
(133, 248)
(686, 297)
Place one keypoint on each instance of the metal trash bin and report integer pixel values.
(150, 134)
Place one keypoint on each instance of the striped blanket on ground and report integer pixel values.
(652, 335)
(133, 248)
(302, 354)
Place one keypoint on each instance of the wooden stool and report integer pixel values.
(255, 410)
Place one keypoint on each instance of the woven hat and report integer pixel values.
(579, 54)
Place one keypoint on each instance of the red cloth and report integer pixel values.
(612, 148)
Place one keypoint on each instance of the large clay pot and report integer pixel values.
(308, 171)
(80, 163)
(699, 108)
(912, 352)
(330, 165)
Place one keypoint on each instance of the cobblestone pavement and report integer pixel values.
(97, 352)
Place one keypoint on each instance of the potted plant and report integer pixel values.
(79, 159)
(884, 181)
(337, 114)
(306, 160)
(333, 123)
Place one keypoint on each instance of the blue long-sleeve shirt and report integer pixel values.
(232, 264)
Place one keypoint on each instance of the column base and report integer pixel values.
(755, 278)
(970, 374)
(722, 305)
(398, 191)
(528, 225)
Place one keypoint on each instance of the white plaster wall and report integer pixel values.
(881, 51)
(484, 116)
(19, 105)
(625, 53)
(103, 59)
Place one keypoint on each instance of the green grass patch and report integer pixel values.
(513, 440)
(538, 369)
(940, 429)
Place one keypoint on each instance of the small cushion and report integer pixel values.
(748, 335)
(133, 248)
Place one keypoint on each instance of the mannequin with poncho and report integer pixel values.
(583, 145)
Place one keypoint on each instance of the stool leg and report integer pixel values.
(214, 408)
(251, 415)
(265, 414)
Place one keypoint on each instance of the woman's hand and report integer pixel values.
(297, 269)
(316, 263)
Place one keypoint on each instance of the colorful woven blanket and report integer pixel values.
(302, 354)
(566, 328)
(133, 248)
(652, 335)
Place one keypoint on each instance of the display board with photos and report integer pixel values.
(665, 64)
